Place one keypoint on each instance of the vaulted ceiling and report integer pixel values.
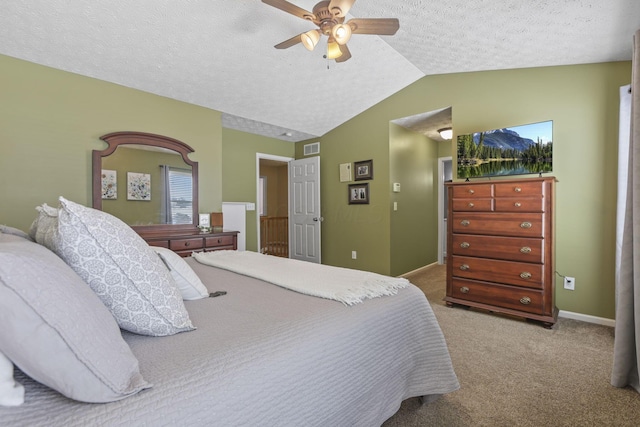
(219, 53)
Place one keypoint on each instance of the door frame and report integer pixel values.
(264, 156)
(442, 231)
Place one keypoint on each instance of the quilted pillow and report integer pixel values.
(190, 285)
(56, 330)
(121, 269)
(45, 225)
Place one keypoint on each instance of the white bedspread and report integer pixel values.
(341, 284)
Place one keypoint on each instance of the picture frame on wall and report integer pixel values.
(363, 170)
(359, 194)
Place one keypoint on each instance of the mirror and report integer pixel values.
(146, 180)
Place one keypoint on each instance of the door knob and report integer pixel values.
(318, 219)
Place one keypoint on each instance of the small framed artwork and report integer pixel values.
(363, 170)
(138, 186)
(109, 184)
(359, 194)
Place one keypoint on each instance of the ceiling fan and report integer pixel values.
(329, 16)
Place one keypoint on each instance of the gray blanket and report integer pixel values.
(266, 356)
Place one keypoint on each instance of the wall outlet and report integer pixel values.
(570, 283)
(354, 255)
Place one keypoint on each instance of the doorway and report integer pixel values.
(445, 174)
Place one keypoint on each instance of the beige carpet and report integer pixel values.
(516, 373)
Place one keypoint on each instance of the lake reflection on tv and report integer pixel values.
(518, 150)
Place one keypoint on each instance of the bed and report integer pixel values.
(263, 355)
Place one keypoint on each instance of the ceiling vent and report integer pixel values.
(310, 149)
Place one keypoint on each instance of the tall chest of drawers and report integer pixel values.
(500, 242)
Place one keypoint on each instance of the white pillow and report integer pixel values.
(44, 225)
(56, 330)
(11, 392)
(190, 285)
(122, 270)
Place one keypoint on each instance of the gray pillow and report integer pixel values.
(57, 331)
(5, 229)
(122, 270)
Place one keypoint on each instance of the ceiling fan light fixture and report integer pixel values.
(446, 133)
(341, 33)
(310, 39)
(333, 50)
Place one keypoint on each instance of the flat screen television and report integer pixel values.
(516, 150)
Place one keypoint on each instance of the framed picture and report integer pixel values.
(359, 194)
(109, 184)
(363, 170)
(138, 186)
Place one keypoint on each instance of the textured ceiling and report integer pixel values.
(219, 53)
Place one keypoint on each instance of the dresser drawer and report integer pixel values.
(519, 204)
(501, 224)
(219, 241)
(516, 298)
(186, 244)
(491, 270)
(523, 188)
(507, 248)
(462, 205)
(463, 191)
(160, 243)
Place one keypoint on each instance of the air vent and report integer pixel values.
(310, 149)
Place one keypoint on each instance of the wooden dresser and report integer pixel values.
(185, 242)
(500, 242)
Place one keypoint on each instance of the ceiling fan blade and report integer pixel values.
(291, 8)
(381, 26)
(339, 8)
(288, 43)
(346, 54)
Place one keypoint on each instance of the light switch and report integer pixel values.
(396, 187)
(251, 206)
(395, 206)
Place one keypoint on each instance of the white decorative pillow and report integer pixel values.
(122, 270)
(5, 229)
(45, 225)
(190, 285)
(11, 392)
(56, 330)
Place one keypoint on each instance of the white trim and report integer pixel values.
(420, 269)
(442, 233)
(265, 157)
(587, 318)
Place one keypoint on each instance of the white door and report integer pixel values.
(304, 207)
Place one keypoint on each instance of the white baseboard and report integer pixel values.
(419, 269)
(587, 318)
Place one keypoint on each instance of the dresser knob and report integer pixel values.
(525, 300)
(525, 275)
(517, 204)
(464, 290)
(526, 225)
(464, 223)
(464, 245)
(471, 191)
(464, 267)
(470, 205)
(517, 190)
(525, 249)
(219, 240)
(187, 243)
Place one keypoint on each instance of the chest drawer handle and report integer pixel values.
(464, 267)
(525, 300)
(464, 245)
(187, 243)
(526, 225)
(471, 205)
(219, 240)
(471, 191)
(525, 275)
(525, 250)
(517, 204)
(464, 222)
(517, 190)
(464, 290)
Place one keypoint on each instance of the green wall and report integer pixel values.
(413, 164)
(582, 101)
(52, 120)
(239, 178)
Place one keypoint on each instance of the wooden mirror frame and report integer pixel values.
(117, 139)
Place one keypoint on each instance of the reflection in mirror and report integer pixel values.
(146, 180)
